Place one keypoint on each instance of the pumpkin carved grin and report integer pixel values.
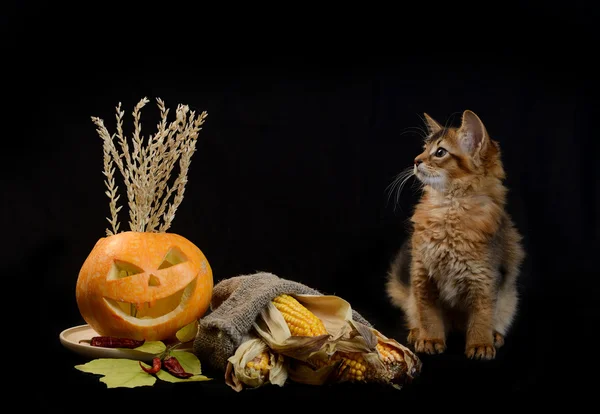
(126, 283)
(148, 313)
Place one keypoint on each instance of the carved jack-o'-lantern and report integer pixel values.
(143, 285)
(146, 283)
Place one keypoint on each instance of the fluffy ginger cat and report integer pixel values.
(459, 266)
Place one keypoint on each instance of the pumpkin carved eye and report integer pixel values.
(121, 269)
(173, 257)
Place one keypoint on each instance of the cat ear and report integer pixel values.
(432, 125)
(472, 134)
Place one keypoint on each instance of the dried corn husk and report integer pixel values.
(238, 373)
(335, 312)
(273, 329)
(350, 351)
(322, 367)
(413, 363)
(311, 372)
(318, 360)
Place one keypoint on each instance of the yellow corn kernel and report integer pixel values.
(393, 361)
(259, 364)
(351, 366)
(388, 353)
(300, 320)
(354, 368)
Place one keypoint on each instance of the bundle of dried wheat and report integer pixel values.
(147, 168)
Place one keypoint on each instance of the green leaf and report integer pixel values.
(118, 372)
(165, 376)
(188, 332)
(152, 347)
(190, 363)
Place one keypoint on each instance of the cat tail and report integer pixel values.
(398, 278)
(397, 292)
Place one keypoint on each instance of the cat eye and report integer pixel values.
(440, 152)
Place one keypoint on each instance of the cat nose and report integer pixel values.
(418, 161)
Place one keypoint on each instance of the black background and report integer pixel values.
(311, 114)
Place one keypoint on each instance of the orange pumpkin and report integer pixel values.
(143, 285)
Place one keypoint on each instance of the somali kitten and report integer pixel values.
(459, 266)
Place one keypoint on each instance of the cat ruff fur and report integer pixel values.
(236, 303)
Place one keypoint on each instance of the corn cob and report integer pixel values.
(254, 364)
(388, 353)
(259, 365)
(300, 320)
(354, 367)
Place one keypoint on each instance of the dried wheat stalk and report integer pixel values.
(148, 166)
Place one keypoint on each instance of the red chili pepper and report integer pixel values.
(156, 363)
(172, 365)
(115, 342)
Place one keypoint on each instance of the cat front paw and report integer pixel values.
(413, 335)
(430, 346)
(481, 351)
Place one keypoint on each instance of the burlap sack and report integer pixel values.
(236, 303)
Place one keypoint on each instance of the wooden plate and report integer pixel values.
(70, 338)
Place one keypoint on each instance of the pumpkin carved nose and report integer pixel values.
(153, 281)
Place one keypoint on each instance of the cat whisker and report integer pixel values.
(409, 174)
(397, 185)
(391, 188)
(418, 130)
(398, 179)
